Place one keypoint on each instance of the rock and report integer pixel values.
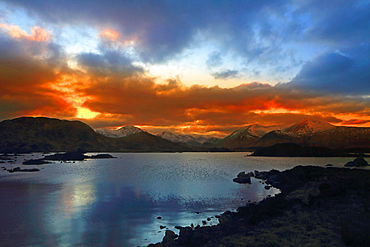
(35, 162)
(243, 178)
(267, 187)
(162, 227)
(186, 234)
(169, 236)
(329, 165)
(225, 217)
(159, 217)
(358, 162)
(101, 156)
(77, 155)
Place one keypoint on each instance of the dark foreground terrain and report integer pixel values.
(316, 207)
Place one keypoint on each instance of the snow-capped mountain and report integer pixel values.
(252, 131)
(314, 133)
(183, 138)
(246, 136)
(308, 127)
(121, 132)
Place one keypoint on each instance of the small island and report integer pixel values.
(68, 156)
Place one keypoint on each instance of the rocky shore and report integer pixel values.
(316, 207)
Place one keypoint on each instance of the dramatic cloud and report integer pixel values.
(26, 80)
(345, 73)
(190, 66)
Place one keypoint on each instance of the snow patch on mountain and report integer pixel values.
(183, 138)
(308, 126)
(252, 131)
(121, 132)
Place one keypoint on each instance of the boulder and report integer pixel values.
(243, 178)
(169, 236)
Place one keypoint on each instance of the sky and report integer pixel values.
(193, 67)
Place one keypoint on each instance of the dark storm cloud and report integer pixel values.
(252, 30)
(226, 74)
(345, 73)
(338, 22)
(108, 63)
(166, 28)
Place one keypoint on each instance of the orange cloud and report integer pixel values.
(199, 109)
(123, 94)
(37, 33)
(116, 39)
(110, 34)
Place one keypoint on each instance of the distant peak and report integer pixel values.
(314, 122)
(121, 132)
(129, 127)
(309, 126)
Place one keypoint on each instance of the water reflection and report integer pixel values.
(118, 202)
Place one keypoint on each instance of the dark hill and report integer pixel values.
(28, 134)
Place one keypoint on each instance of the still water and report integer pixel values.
(125, 201)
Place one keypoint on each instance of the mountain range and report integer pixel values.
(246, 137)
(40, 134)
(29, 134)
(314, 133)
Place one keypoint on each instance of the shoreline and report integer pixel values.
(317, 206)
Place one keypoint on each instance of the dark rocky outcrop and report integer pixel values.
(358, 162)
(317, 206)
(68, 156)
(78, 155)
(35, 162)
(243, 178)
(101, 156)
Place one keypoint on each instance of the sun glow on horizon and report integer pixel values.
(86, 113)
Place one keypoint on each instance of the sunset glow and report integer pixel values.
(111, 34)
(37, 33)
(169, 67)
